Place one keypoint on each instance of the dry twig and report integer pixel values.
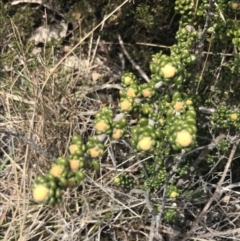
(216, 195)
(137, 67)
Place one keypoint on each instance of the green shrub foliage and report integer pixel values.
(192, 97)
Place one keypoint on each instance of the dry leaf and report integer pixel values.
(95, 76)
(46, 33)
(73, 62)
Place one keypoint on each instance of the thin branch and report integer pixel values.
(137, 67)
(30, 143)
(180, 159)
(214, 233)
(206, 110)
(200, 46)
(216, 193)
(206, 151)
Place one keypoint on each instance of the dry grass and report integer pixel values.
(46, 106)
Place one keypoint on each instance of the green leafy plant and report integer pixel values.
(166, 118)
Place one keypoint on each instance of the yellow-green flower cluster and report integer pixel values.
(167, 69)
(170, 215)
(129, 93)
(181, 122)
(103, 121)
(124, 180)
(119, 125)
(65, 172)
(144, 135)
(95, 148)
(147, 90)
(173, 192)
(223, 117)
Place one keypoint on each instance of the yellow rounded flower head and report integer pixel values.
(174, 194)
(127, 80)
(161, 120)
(189, 102)
(145, 143)
(131, 92)
(168, 71)
(101, 126)
(234, 116)
(147, 92)
(73, 148)
(56, 170)
(95, 152)
(235, 5)
(125, 105)
(184, 138)
(116, 180)
(178, 105)
(117, 134)
(40, 193)
(74, 164)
